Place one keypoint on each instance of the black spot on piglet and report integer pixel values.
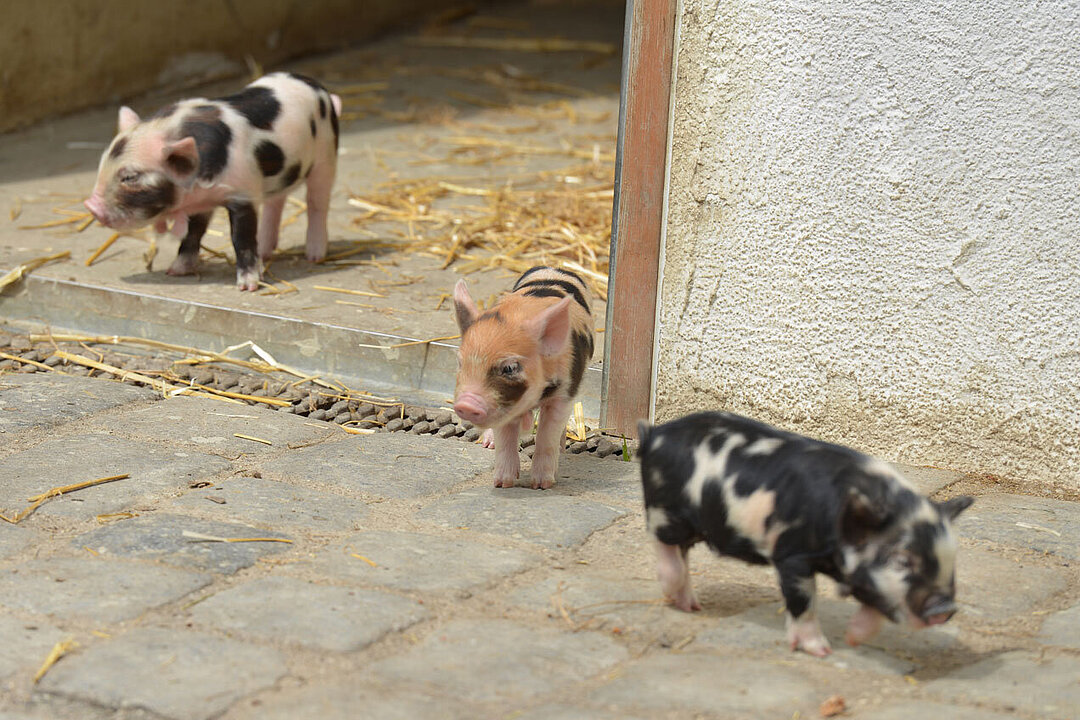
(118, 148)
(257, 104)
(313, 127)
(291, 176)
(322, 106)
(269, 157)
(148, 201)
(212, 138)
(311, 82)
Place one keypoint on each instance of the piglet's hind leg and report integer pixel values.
(270, 225)
(319, 184)
(674, 574)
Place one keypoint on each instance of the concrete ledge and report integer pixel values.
(419, 373)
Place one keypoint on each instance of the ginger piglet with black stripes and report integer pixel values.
(527, 352)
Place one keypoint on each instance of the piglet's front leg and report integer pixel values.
(799, 588)
(507, 462)
(864, 624)
(244, 222)
(187, 260)
(550, 439)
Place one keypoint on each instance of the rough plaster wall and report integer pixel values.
(873, 227)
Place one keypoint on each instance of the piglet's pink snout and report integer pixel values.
(471, 407)
(96, 208)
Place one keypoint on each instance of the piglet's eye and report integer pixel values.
(129, 177)
(511, 368)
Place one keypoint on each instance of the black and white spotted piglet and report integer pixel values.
(771, 497)
(241, 152)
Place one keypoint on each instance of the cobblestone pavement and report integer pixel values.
(411, 588)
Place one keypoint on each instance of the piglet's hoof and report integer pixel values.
(806, 636)
(184, 265)
(247, 280)
(488, 438)
(864, 624)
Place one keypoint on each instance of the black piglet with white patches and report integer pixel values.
(804, 506)
(242, 152)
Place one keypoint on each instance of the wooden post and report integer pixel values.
(637, 214)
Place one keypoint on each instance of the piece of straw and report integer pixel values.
(56, 491)
(58, 651)
(545, 45)
(35, 363)
(38, 500)
(202, 537)
(253, 439)
(19, 271)
(363, 293)
(409, 343)
(157, 384)
(102, 248)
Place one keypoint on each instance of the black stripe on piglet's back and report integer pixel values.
(551, 284)
(582, 349)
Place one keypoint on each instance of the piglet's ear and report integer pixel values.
(465, 309)
(128, 119)
(954, 506)
(552, 327)
(863, 515)
(181, 160)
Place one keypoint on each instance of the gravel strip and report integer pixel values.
(306, 399)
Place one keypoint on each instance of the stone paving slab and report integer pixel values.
(931, 711)
(1045, 687)
(582, 473)
(154, 471)
(211, 426)
(545, 517)
(414, 561)
(351, 701)
(979, 576)
(94, 588)
(13, 539)
(24, 645)
(602, 598)
(181, 675)
(303, 613)
(1063, 628)
(569, 712)
(1035, 523)
(46, 399)
(160, 537)
(273, 504)
(707, 683)
(387, 465)
(499, 660)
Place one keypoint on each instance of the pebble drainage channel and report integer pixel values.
(305, 398)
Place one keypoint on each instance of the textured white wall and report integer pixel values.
(873, 227)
